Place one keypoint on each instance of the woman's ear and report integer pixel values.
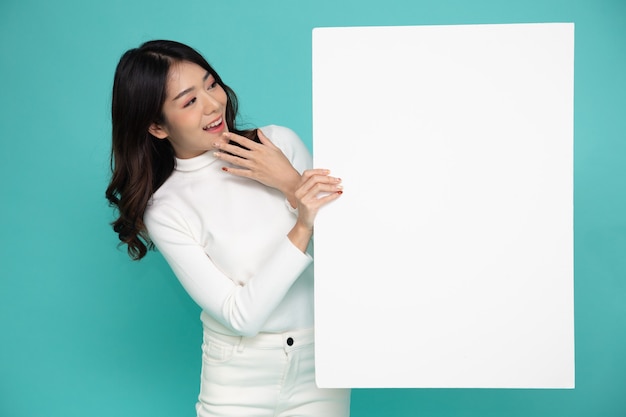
(158, 131)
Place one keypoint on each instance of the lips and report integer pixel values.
(214, 125)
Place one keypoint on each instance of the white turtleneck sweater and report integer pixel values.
(225, 238)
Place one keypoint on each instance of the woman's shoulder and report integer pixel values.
(279, 133)
(283, 137)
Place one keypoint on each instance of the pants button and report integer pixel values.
(289, 341)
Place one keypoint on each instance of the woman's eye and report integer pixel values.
(212, 85)
(190, 102)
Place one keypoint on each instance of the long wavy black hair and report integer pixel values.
(140, 163)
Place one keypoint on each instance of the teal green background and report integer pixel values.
(84, 331)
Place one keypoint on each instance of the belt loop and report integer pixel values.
(240, 346)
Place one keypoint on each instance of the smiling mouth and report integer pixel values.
(214, 125)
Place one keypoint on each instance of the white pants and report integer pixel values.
(268, 375)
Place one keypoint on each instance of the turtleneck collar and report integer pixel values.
(195, 163)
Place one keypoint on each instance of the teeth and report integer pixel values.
(215, 123)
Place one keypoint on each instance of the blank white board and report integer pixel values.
(448, 260)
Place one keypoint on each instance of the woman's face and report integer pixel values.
(194, 111)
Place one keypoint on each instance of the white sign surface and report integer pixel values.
(448, 260)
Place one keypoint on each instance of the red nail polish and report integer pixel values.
(224, 169)
(339, 192)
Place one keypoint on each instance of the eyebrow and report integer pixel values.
(188, 90)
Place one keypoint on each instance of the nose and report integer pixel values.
(210, 103)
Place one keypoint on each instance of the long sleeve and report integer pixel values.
(242, 307)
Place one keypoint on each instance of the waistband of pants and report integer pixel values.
(289, 340)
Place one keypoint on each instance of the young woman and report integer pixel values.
(232, 212)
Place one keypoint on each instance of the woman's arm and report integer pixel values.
(244, 308)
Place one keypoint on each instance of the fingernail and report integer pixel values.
(224, 169)
(339, 192)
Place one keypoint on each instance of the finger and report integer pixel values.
(233, 149)
(312, 189)
(312, 177)
(315, 171)
(240, 172)
(320, 190)
(314, 201)
(233, 159)
(264, 139)
(242, 140)
(327, 198)
(318, 186)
